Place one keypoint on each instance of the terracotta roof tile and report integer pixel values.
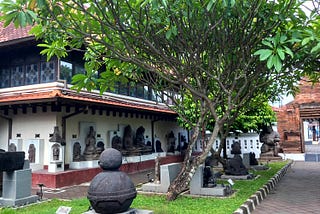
(69, 94)
(10, 33)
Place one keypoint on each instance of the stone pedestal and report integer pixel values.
(130, 211)
(266, 158)
(56, 166)
(196, 186)
(168, 173)
(17, 188)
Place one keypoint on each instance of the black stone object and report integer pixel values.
(111, 191)
(10, 161)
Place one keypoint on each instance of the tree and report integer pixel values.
(257, 113)
(221, 53)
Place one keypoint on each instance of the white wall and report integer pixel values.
(30, 124)
(4, 133)
(104, 124)
(43, 123)
(163, 128)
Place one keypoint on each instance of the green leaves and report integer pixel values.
(210, 4)
(264, 53)
(223, 51)
(275, 51)
(172, 31)
(56, 48)
(17, 12)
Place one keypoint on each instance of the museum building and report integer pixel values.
(54, 125)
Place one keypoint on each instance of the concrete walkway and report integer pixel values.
(298, 192)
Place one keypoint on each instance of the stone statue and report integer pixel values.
(56, 151)
(127, 138)
(235, 165)
(90, 149)
(209, 178)
(252, 159)
(76, 151)
(32, 153)
(149, 143)
(117, 143)
(158, 146)
(56, 137)
(270, 140)
(140, 141)
(171, 142)
(12, 148)
(100, 147)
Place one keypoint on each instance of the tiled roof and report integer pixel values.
(10, 33)
(46, 95)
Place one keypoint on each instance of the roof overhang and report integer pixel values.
(58, 92)
(309, 111)
(17, 41)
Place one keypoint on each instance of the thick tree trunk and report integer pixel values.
(189, 167)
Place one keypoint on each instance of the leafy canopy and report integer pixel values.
(221, 52)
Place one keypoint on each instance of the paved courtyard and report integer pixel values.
(297, 193)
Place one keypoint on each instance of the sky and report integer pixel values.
(283, 101)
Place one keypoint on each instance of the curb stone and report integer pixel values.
(250, 204)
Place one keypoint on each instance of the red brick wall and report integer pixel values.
(75, 177)
(288, 119)
(288, 116)
(309, 92)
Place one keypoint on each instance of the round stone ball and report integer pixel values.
(111, 192)
(110, 159)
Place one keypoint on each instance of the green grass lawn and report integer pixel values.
(182, 205)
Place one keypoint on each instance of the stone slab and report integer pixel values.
(259, 167)
(246, 160)
(236, 177)
(17, 188)
(153, 187)
(218, 190)
(7, 202)
(168, 173)
(196, 186)
(63, 210)
(130, 211)
(269, 158)
(16, 184)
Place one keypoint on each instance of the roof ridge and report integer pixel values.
(11, 33)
